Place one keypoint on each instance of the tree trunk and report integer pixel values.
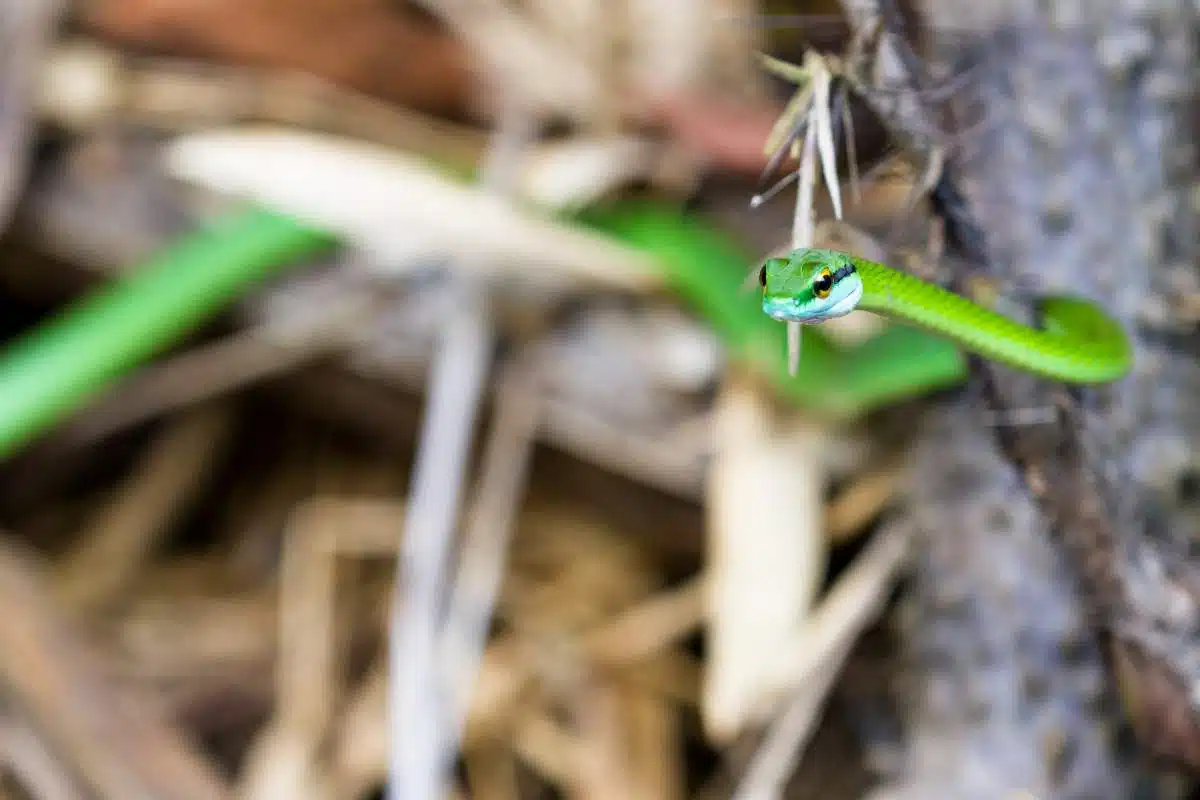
(1059, 561)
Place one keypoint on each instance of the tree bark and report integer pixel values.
(1060, 561)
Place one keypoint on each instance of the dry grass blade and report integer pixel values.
(656, 760)
(118, 746)
(602, 769)
(850, 512)
(114, 547)
(812, 102)
(783, 134)
(401, 210)
(823, 122)
(284, 760)
(644, 630)
(549, 748)
(787, 543)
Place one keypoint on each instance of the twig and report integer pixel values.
(486, 540)
(419, 712)
(802, 232)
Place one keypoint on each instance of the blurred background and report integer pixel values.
(386, 409)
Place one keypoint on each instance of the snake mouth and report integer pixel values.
(788, 309)
(784, 309)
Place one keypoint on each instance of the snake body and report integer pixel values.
(1077, 342)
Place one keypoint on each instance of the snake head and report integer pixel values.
(809, 286)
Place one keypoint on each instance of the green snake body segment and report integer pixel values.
(1078, 342)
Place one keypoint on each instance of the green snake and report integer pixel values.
(1078, 342)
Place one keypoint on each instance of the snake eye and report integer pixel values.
(823, 284)
(762, 276)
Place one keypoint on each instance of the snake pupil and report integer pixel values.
(762, 276)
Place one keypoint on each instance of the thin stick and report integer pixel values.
(419, 725)
(764, 196)
(486, 541)
(802, 231)
(823, 122)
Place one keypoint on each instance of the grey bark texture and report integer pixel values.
(1057, 588)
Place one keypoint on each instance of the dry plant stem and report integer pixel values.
(547, 747)
(419, 710)
(636, 643)
(487, 538)
(360, 751)
(637, 640)
(113, 548)
(308, 640)
(119, 748)
(802, 229)
(602, 767)
(832, 631)
(656, 767)
(859, 596)
(285, 761)
(766, 547)
(645, 630)
(24, 754)
(791, 532)
(849, 513)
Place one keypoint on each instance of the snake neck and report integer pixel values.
(897, 294)
(1078, 342)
